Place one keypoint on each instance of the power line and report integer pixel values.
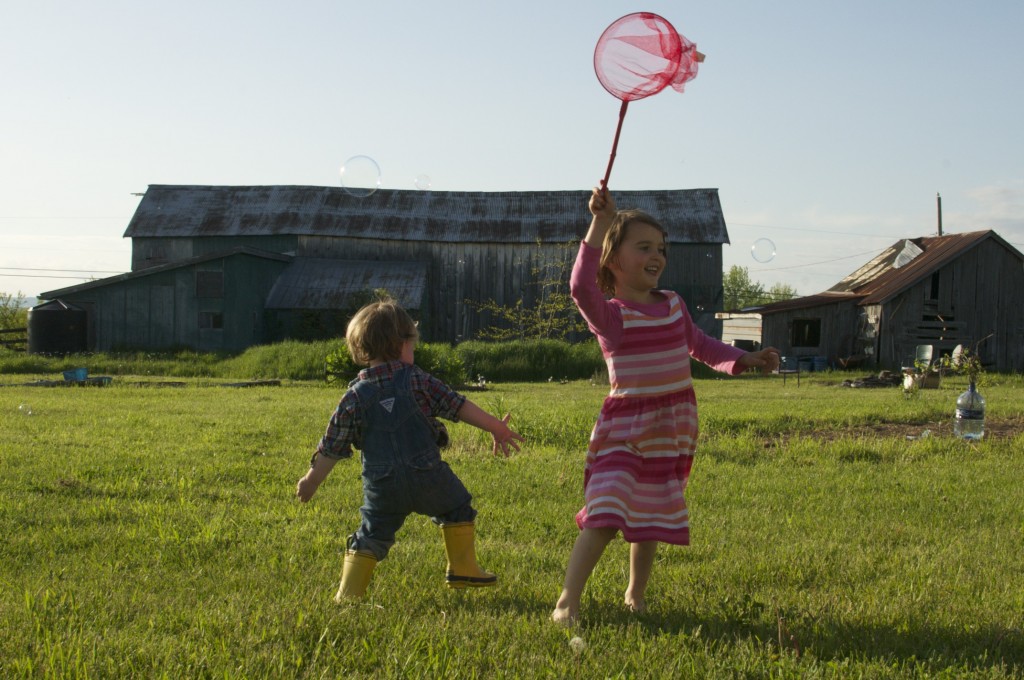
(41, 276)
(812, 264)
(826, 231)
(816, 231)
(65, 271)
(37, 217)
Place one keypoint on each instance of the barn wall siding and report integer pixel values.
(461, 276)
(980, 294)
(161, 310)
(837, 324)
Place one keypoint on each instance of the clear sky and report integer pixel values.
(827, 126)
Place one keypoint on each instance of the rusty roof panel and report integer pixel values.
(324, 284)
(183, 211)
(882, 279)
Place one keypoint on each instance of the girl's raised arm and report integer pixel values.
(602, 207)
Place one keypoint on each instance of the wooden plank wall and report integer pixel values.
(980, 294)
(461, 274)
(838, 329)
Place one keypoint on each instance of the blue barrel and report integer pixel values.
(820, 364)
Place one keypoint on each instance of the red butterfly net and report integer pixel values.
(639, 55)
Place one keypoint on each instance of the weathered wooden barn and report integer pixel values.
(227, 267)
(957, 289)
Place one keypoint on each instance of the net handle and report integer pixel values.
(615, 145)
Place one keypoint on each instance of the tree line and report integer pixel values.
(739, 291)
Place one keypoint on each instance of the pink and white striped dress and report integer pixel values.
(642, 447)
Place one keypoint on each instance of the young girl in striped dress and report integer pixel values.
(642, 446)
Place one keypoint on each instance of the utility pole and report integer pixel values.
(938, 202)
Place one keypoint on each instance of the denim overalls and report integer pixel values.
(402, 468)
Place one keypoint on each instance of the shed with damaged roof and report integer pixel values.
(956, 289)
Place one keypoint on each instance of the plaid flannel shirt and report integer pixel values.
(434, 397)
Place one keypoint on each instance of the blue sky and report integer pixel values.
(828, 127)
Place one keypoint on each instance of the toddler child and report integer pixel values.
(390, 413)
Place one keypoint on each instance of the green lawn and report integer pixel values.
(152, 531)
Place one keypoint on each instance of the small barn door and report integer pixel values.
(161, 316)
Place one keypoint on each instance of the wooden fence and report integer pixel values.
(14, 338)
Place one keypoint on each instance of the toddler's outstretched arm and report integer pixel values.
(504, 438)
(308, 485)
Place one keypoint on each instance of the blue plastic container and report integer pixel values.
(76, 374)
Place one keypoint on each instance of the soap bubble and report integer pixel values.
(763, 250)
(423, 182)
(25, 410)
(360, 176)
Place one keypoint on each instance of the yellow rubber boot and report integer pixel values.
(463, 571)
(355, 575)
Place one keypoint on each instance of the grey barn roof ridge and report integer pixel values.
(188, 211)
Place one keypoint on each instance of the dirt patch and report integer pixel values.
(995, 428)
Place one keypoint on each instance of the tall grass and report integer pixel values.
(152, 532)
(291, 359)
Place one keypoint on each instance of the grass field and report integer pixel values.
(152, 531)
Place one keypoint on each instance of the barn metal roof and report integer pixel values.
(185, 211)
(898, 267)
(324, 284)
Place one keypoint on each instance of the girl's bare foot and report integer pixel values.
(637, 605)
(564, 615)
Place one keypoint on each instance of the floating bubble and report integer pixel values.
(360, 176)
(423, 182)
(763, 250)
(25, 410)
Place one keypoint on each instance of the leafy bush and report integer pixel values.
(531, 360)
(438, 359)
(288, 359)
(340, 366)
(443, 362)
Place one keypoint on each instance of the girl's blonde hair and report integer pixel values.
(614, 238)
(378, 331)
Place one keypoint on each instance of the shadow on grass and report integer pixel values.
(920, 645)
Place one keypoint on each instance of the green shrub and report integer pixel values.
(531, 360)
(442, 361)
(291, 359)
(438, 359)
(339, 365)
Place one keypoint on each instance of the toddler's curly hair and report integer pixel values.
(378, 331)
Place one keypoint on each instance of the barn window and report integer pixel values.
(933, 289)
(211, 320)
(806, 333)
(209, 284)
